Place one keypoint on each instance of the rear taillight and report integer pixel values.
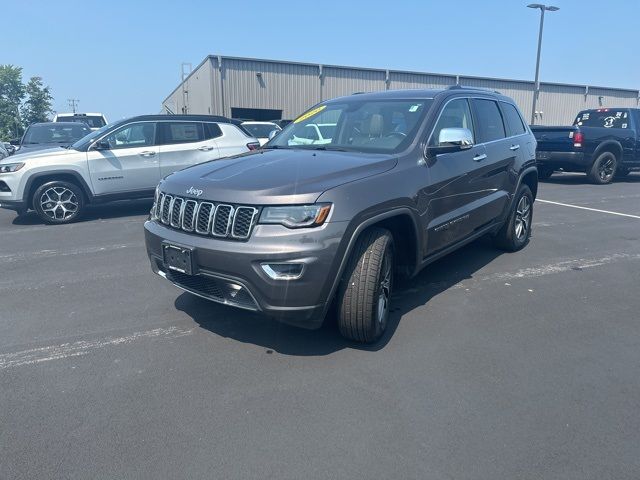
(253, 145)
(577, 139)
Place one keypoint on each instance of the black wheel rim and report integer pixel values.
(606, 169)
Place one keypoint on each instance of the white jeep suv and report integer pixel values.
(123, 160)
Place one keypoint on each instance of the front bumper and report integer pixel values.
(568, 161)
(221, 265)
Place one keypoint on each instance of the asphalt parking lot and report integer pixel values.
(497, 365)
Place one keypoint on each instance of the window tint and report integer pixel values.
(132, 135)
(604, 118)
(181, 132)
(488, 120)
(91, 120)
(212, 130)
(513, 120)
(456, 114)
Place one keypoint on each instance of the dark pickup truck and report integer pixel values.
(603, 143)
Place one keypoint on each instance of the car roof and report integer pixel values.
(423, 94)
(58, 124)
(255, 122)
(79, 114)
(185, 117)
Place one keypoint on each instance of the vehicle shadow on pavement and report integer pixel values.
(581, 179)
(127, 208)
(255, 329)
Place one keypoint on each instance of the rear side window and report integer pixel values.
(181, 132)
(513, 120)
(489, 124)
(211, 130)
(604, 118)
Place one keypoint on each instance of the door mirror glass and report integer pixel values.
(101, 145)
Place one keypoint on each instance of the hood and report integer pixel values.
(26, 152)
(276, 176)
(28, 148)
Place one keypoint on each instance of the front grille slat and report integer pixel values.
(234, 222)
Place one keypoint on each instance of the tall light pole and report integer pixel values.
(542, 8)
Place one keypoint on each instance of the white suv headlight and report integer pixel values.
(11, 167)
(296, 216)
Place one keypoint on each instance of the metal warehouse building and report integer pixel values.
(269, 89)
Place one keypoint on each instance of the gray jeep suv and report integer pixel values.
(397, 180)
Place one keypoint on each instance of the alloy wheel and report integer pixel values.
(606, 169)
(59, 203)
(523, 218)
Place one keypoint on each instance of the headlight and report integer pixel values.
(296, 216)
(11, 167)
(152, 214)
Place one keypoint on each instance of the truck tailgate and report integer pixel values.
(554, 139)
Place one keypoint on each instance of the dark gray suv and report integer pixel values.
(353, 192)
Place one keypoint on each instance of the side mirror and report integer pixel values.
(101, 145)
(273, 133)
(452, 140)
(15, 142)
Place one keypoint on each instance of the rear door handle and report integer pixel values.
(514, 147)
(480, 157)
(205, 148)
(147, 154)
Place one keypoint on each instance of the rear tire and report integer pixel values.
(603, 169)
(516, 232)
(544, 173)
(365, 293)
(58, 202)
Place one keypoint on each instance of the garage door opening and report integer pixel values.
(259, 114)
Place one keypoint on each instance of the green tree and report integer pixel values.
(37, 107)
(12, 92)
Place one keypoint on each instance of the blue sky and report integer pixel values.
(122, 57)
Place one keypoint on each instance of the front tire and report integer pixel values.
(516, 232)
(603, 169)
(58, 202)
(365, 293)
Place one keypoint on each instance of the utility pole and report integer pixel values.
(536, 92)
(73, 102)
(185, 71)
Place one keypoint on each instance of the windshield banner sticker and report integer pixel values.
(309, 114)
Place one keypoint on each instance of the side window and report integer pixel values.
(488, 120)
(212, 130)
(513, 120)
(181, 132)
(456, 114)
(132, 135)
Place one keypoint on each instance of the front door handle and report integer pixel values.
(480, 157)
(205, 148)
(147, 154)
(514, 147)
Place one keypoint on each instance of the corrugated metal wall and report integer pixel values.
(221, 83)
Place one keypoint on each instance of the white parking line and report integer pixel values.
(76, 349)
(587, 208)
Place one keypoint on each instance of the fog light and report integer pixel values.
(283, 271)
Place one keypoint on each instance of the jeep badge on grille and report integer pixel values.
(194, 191)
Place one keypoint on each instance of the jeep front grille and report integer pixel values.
(206, 218)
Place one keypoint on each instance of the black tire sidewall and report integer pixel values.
(377, 326)
(594, 173)
(506, 238)
(58, 183)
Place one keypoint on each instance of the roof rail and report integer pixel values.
(462, 87)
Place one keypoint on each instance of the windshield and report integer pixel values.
(260, 130)
(94, 121)
(55, 133)
(356, 125)
(84, 142)
(604, 118)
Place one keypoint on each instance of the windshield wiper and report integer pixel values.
(273, 147)
(331, 149)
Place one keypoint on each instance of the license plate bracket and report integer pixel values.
(178, 258)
